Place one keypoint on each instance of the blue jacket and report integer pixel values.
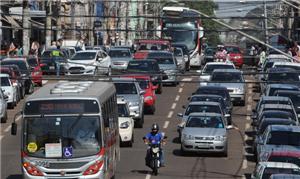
(154, 139)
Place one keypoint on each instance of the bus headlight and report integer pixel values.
(94, 168)
(32, 170)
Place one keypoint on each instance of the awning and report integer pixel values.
(12, 21)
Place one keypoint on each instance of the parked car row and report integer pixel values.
(275, 121)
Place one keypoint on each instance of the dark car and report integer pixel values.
(209, 54)
(216, 90)
(293, 95)
(25, 72)
(48, 63)
(149, 67)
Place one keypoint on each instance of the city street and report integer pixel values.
(238, 164)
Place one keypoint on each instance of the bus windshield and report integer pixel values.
(62, 137)
(182, 32)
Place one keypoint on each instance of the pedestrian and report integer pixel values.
(20, 50)
(35, 48)
(56, 55)
(53, 44)
(262, 56)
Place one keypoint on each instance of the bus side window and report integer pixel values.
(105, 114)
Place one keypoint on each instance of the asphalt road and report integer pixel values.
(238, 164)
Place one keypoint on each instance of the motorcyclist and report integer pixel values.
(155, 137)
(221, 53)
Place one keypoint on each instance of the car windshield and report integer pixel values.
(232, 50)
(285, 159)
(295, 98)
(212, 91)
(144, 84)
(288, 66)
(126, 88)
(139, 66)
(165, 61)
(212, 99)
(5, 81)
(226, 77)
(275, 102)
(273, 91)
(269, 171)
(119, 53)
(278, 114)
(20, 64)
(84, 56)
(284, 138)
(62, 137)
(122, 110)
(210, 51)
(210, 68)
(283, 77)
(205, 122)
(32, 62)
(202, 108)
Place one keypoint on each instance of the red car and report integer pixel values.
(235, 55)
(36, 71)
(283, 156)
(149, 96)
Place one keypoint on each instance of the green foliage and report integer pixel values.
(208, 7)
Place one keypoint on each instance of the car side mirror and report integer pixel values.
(227, 115)
(229, 127)
(189, 98)
(142, 92)
(14, 128)
(180, 115)
(183, 106)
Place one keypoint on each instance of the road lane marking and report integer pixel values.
(166, 124)
(7, 129)
(177, 98)
(249, 107)
(180, 90)
(246, 137)
(248, 118)
(148, 176)
(18, 118)
(245, 164)
(250, 91)
(187, 79)
(173, 106)
(247, 126)
(182, 85)
(1, 137)
(170, 114)
(44, 81)
(250, 85)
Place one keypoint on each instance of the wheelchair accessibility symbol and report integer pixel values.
(68, 152)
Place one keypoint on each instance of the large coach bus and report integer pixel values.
(183, 26)
(70, 130)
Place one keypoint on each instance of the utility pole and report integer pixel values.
(58, 22)
(266, 23)
(73, 19)
(48, 23)
(25, 22)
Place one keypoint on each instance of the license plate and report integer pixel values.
(51, 67)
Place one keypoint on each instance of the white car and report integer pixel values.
(3, 106)
(89, 62)
(126, 123)
(266, 169)
(9, 90)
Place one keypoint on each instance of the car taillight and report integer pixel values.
(43, 64)
(94, 168)
(32, 170)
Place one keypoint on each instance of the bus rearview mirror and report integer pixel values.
(14, 128)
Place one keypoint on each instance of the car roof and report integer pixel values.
(123, 80)
(286, 128)
(275, 111)
(279, 85)
(227, 70)
(204, 103)
(278, 165)
(137, 76)
(212, 87)
(204, 114)
(4, 75)
(279, 70)
(284, 176)
(286, 63)
(288, 91)
(118, 49)
(220, 63)
(83, 51)
(287, 153)
(207, 95)
(273, 98)
(141, 61)
(280, 106)
(268, 120)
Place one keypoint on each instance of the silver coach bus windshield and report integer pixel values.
(61, 136)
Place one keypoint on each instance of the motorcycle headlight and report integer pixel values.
(124, 125)
(133, 104)
(188, 137)
(220, 138)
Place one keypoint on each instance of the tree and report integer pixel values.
(208, 7)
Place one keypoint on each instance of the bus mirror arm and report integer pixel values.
(14, 125)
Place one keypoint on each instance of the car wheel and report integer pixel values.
(109, 71)
(10, 105)
(242, 103)
(182, 152)
(152, 109)
(4, 119)
(40, 84)
(159, 89)
(129, 144)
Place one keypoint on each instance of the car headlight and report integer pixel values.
(36, 73)
(238, 90)
(147, 98)
(237, 57)
(188, 137)
(171, 72)
(220, 138)
(124, 125)
(7, 93)
(133, 104)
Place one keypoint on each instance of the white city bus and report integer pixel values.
(183, 26)
(70, 130)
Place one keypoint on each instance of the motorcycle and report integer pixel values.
(153, 160)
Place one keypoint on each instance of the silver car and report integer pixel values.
(120, 58)
(205, 132)
(130, 90)
(3, 107)
(233, 80)
(178, 53)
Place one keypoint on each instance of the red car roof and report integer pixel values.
(150, 41)
(146, 77)
(285, 154)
